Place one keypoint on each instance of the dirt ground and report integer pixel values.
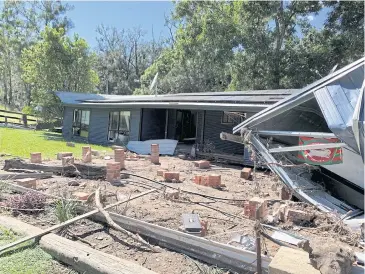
(224, 221)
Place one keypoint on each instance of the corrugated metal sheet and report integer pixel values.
(166, 146)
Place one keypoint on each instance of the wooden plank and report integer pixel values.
(71, 221)
(211, 252)
(80, 257)
(14, 176)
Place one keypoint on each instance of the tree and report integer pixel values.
(123, 57)
(55, 63)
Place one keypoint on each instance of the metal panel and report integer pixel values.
(212, 130)
(304, 95)
(67, 123)
(98, 130)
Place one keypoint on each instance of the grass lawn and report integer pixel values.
(21, 142)
(25, 259)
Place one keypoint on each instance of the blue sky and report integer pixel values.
(87, 15)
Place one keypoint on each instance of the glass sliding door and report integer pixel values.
(81, 122)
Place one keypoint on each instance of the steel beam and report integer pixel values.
(307, 147)
(295, 133)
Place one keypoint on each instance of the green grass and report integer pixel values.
(21, 142)
(26, 258)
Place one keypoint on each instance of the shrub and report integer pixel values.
(29, 200)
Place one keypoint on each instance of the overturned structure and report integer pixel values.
(315, 138)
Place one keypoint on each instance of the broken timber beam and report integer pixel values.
(211, 252)
(71, 221)
(80, 257)
(295, 133)
(77, 169)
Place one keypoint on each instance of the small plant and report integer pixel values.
(65, 210)
(3, 189)
(29, 200)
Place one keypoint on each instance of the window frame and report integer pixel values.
(230, 121)
(79, 124)
(112, 131)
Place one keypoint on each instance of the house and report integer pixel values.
(189, 118)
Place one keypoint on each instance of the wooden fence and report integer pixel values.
(17, 118)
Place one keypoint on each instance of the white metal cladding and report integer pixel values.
(302, 96)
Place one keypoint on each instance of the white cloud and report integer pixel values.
(310, 17)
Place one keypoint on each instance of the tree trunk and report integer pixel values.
(5, 98)
(280, 32)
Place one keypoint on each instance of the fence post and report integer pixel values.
(25, 120)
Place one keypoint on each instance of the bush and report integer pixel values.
(28, 110)
(65, 210)
(29, 200)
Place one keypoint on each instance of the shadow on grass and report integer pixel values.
(18, 249)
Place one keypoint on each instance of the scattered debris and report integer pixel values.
(73, 183)
(28, 201)
(192, 224)
(95, 153)
(331, 257)
(245, 242)
(83, 196)
(27, 182)
(70, 144)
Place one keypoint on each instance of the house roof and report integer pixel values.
(231, 100)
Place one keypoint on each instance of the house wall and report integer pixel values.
(99, 122)
(213, 128)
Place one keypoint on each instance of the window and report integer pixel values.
(231, 118)
(119, 126)
(80, 124)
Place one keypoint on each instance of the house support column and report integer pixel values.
(166, 122)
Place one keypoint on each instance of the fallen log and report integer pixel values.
(86, 171)
(208, 251)
(80, 257)
(71, 221)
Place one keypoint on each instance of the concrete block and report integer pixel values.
(69, 160)
(170, 176)
(86, 154)
(298, 215)
(95, 153)
(171, 194)
(160, 172)
(27, 182)
(155, 154)
(36, 157)
(81, 195)
(291, 261)
(203, 164)
(214, 180)
(246, 173)
(60, 155)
